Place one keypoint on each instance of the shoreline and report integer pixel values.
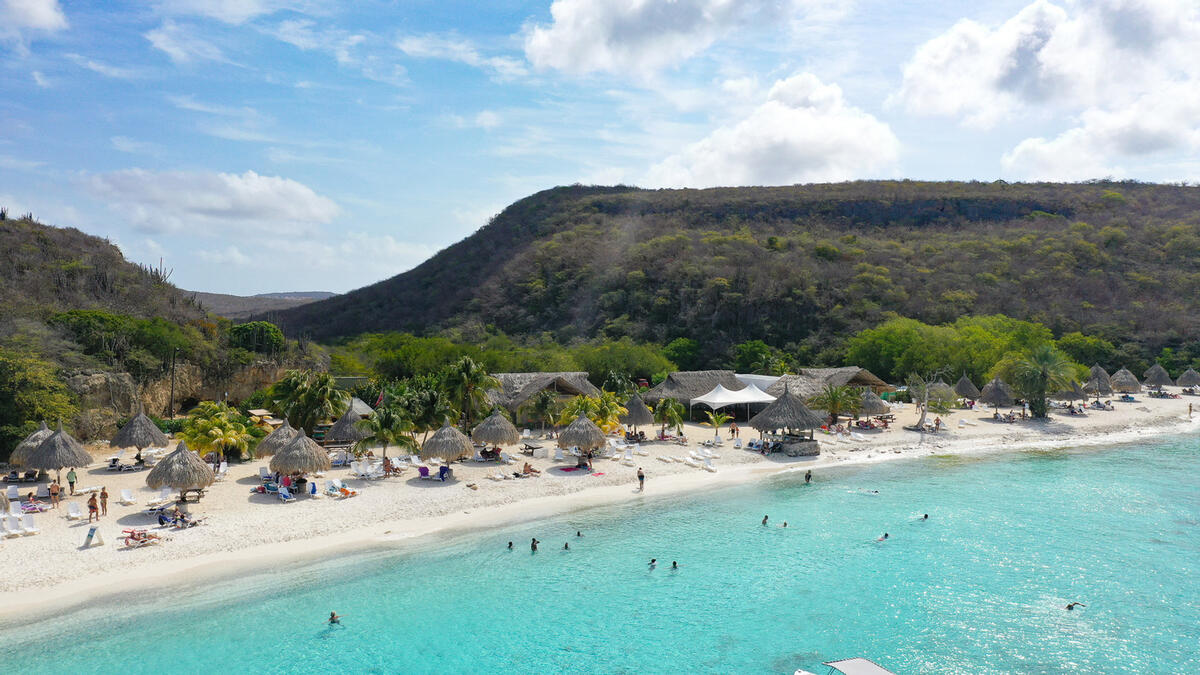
(37, 601)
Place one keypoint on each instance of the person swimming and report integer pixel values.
(674, 565)
(808, 476)
(1071, 606)
(883, 538)
(533, 544)
(653, 563)
(566, 546)
(334, 618)
(925, 517)
(764, 520)
(578, 533)
(784, 524)
(510, 545)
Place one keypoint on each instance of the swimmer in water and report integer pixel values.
(925, 517)
(784, 524)
(1073, 605)
(653, 563)
(884, 537)
(808, 476)
(566, 547)
(674, 565)
(334, 618)
(578, 533)
(510, 545)
(764, 521)
(533, 544)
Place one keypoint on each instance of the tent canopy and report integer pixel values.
(720, 397)
(858, 666)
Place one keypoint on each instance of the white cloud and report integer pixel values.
(230, 11)
(9, 162)
(135, 147)
(1124, 72)
(230, 255)
(803, 132)
(115, 72)
(484, 119)
(347, 48)
(459, 50)
(180, 45)
(40, 80)
(234, 123)
(173, 201)
(19, 16)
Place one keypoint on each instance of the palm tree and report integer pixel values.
(466, 384)
(210, 428)
(427, 408)
(836, 400)
(669, 413)
(542, 407)
(308, 398)
(1042, 370)
(388, 426)
(716, 420)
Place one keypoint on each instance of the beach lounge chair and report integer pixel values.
(285, 495)
(526, 433)
(73, 512)
(738, 444)
(423, 472)
(126, 498)
(43, 492)
(558, 455)
(445, 472)
(265, 475)
(14, 493)
(223, 471)
(639, 450)
(478, 457)
(12, 527)
(666, 460)
(27, 526)
(506, 458)
(708, 466)
(628, 458)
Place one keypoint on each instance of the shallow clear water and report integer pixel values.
(979, 588)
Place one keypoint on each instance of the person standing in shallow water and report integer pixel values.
(533, 544)
(764, 521)
(808, 476)
(641, 480)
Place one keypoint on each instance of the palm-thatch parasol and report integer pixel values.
(1189, 378)
(301, 455)
(448, 443)
(583, 434)
(1157, 377)
(996, 393)
(872, 405)
(141, 433)
(182, 469)
(1098, 384)
(1072, 393)
(277, 440)
(496, 430)
(638, 413)
(57, 451)
(966, 388)
(346, 429)
(1125, 382)
(20, 454)
(786, 412)
(941, 390)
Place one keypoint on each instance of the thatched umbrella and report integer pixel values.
(447, 443)
(1125, 382)
(1189, 378)
(277, 440)
(966, 388)
(182, 469)
(786, 412)
(346, 429)
(583, 434)
(57, 451)
(1072, 393)
(939, 389)
(996, 393)
(496, 430)
(1157, 377)
(20, 454)
(872, 405)
(638, 413)
(1098, 384)
(301, 455)
(141, 433)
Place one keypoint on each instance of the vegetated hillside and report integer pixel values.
(803, 266)
(245, 306)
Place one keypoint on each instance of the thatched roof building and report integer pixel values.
(448, 444)
(1125, 382)
(872, 405)
(966, 388)
(182, 469)
(786, 412)
(496, 430)
(1157, 377)
(301, 455)
(996, 393)
(1189, 378)
(276, 440)
(583, 434)
(517, 388)
(809, 382)
(58, 451)
(20, 454)
(345, 431)
(638, 414)
(1098, 383)
(685, 385)
(141, 433)
(360, 408)
(1072, 393)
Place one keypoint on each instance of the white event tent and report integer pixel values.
(721, 397)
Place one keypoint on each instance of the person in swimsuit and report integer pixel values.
(334, 618)
(653, 563)
(764, 521)
(533, 544)
(808, 476)
(566, 546)
(510, 545)
(784, 524)
(641, 480)
(883, 538)
(674, 565)
(1073, 605)
(925, 517)
(93, 508)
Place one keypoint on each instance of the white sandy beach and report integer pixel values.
(49, 570)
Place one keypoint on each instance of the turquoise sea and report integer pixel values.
(978, 588)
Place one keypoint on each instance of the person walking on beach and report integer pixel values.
(808, 477)
(641, 480)
(733, 430)
(533, 544)
(93, 509)
(104, 501)
(71, 480)
(55, 489)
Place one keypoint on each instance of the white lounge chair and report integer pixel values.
(507, 459)
(27, 525)
(6, 526)
(558, 455)
(126, 498)
(628, 458)
(43, 492)
(664, 459)
(73, 512)
(265, 475)
(638, 450)
(737, 444)
(223, 471)
(526, 433)
(691, 462)
(708, 466)
(478, 457)
(415, 460)
(14, 493)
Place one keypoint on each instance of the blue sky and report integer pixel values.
(270, 145)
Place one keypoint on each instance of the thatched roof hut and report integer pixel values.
(301, 455)
(360, 408)
(686, 385)
(277, 440)
(20, 454)
(182, 469)
(638, 414)
(996, 393)
(59, 450)
(966, 388)
(809, 382)
(786, 412)
(1098, 383)
(141, 433)
(872, 405)
(1125, 382)
(940, 390)
(1189, 378)
(345, 431)
(1157, 377)
(583, 434)
(517, 388)
(447, 443)
(1072, 393)
(496, 430)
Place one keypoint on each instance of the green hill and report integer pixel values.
(802, 266)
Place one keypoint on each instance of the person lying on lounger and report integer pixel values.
(528, 470)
